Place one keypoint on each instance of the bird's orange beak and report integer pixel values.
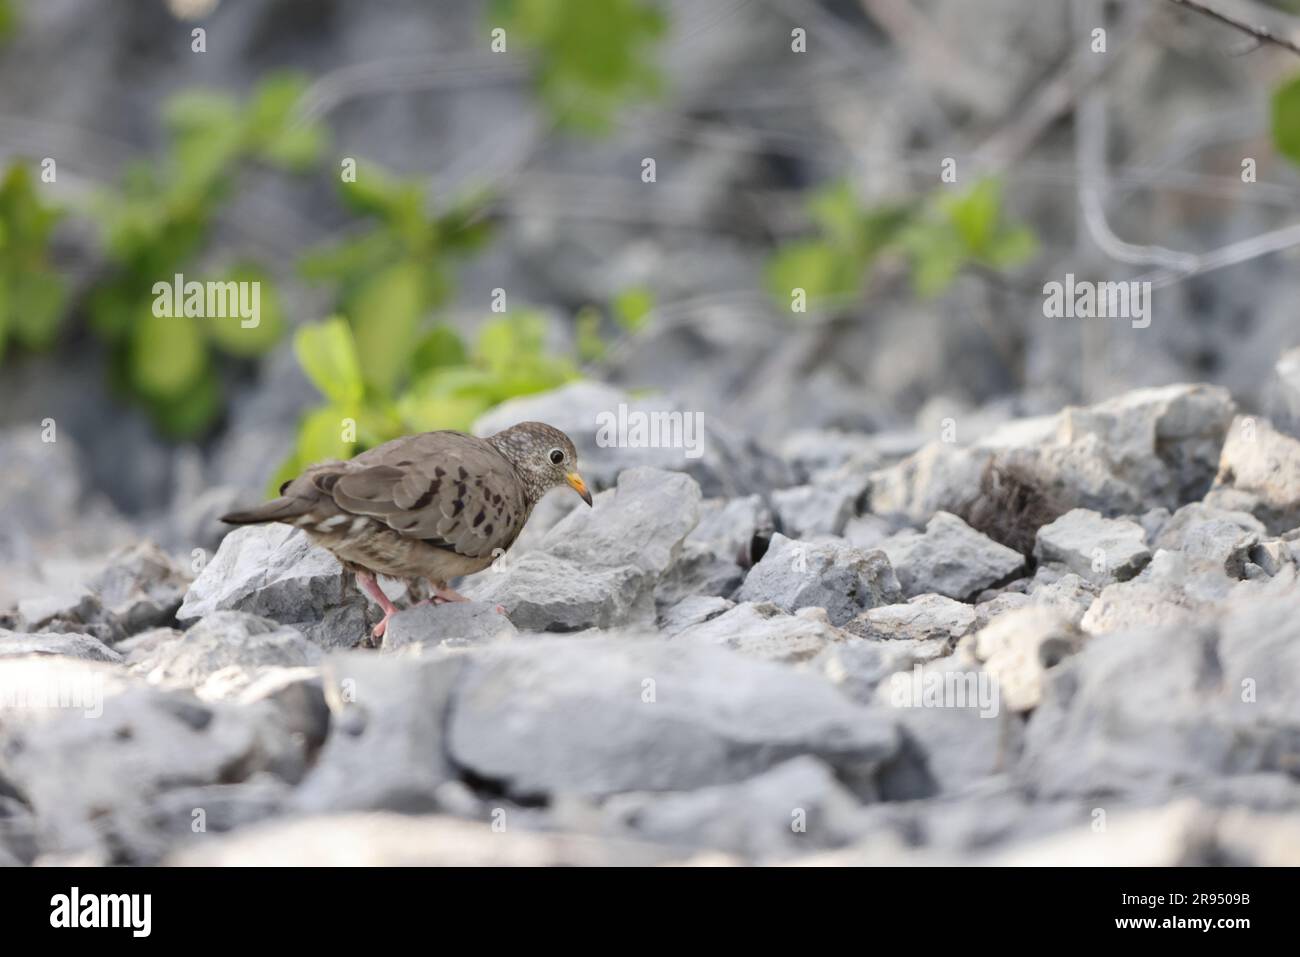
(578, 485)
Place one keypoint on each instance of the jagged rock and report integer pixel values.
(1019, 647)
(692, 611)
(698, 570)
(950, 558)
(738, 529)
(955, 722)
(1155, 708)
(221, 654)
(273, 571)
(722, 461)
(1140, 604)
(86, 647)
(1266, 463)
(141, 587)
(765, 631)
(1096, 548)
(387, 748)
(451, 625)
(793, 808)
(599, 566)
(90, 782)
(836, 577)
(597, 716)
(939, 477)
(858, 667)
(808, 510)
(1211, 536)
(922, 617)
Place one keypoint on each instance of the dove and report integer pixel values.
(426, 507)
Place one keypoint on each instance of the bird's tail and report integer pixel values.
(277, 510)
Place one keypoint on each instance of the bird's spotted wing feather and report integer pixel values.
(445, 488)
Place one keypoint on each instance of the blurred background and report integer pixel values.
(450, 204)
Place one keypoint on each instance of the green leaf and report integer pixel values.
(821, 269)
(167, 357)
(321, 435)
(328, 355)
(1013, 247)
(632, 308)
(591, 347)
(439, 348)
(385, 314)
(1286, 119)
(38, 299)
(975, 215)
(190, 413)
(235, 334)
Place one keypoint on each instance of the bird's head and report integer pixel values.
(543, 456)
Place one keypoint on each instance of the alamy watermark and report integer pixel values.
(209, 300)
(52, 688)
(636, 429)
(946, 689)
(1084, 299)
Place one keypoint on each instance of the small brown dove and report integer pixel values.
(429, 507)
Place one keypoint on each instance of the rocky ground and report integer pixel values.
(1073, 639)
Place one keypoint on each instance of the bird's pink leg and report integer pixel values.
(371, 587)
(444, 593)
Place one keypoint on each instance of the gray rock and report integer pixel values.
(793, 808)
(836, 577)
(857, 667)
(1271, 556)
(388, 746)
(697, 570)
(452, 625)
(221, 654)
(1266, 463)
(1155, 708)
(1019, 647)
(141, 587)
(1070, 595)
(1098, 549)
(86, 647)
(273, 571)
(72, 608)
(1140, 604)
(599, 566)
(765, 631)
(730, 527)
(920, 618)
(955, 723)
(868, 531)
(950, 558)
(214, 809)
(90, 773)
(807, 510)
(939, 477)
(692, 611)
(728, 462)
(596, 716)
(1212, 536)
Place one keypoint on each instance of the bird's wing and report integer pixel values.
(445, 488)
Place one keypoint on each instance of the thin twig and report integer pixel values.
(1260, 32)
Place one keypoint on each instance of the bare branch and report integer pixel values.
(1249, 19)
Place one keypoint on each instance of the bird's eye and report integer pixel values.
(557, 456)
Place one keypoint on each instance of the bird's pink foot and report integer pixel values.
(443, 594)
(371, 588)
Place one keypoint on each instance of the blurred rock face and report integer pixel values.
(914, 581)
